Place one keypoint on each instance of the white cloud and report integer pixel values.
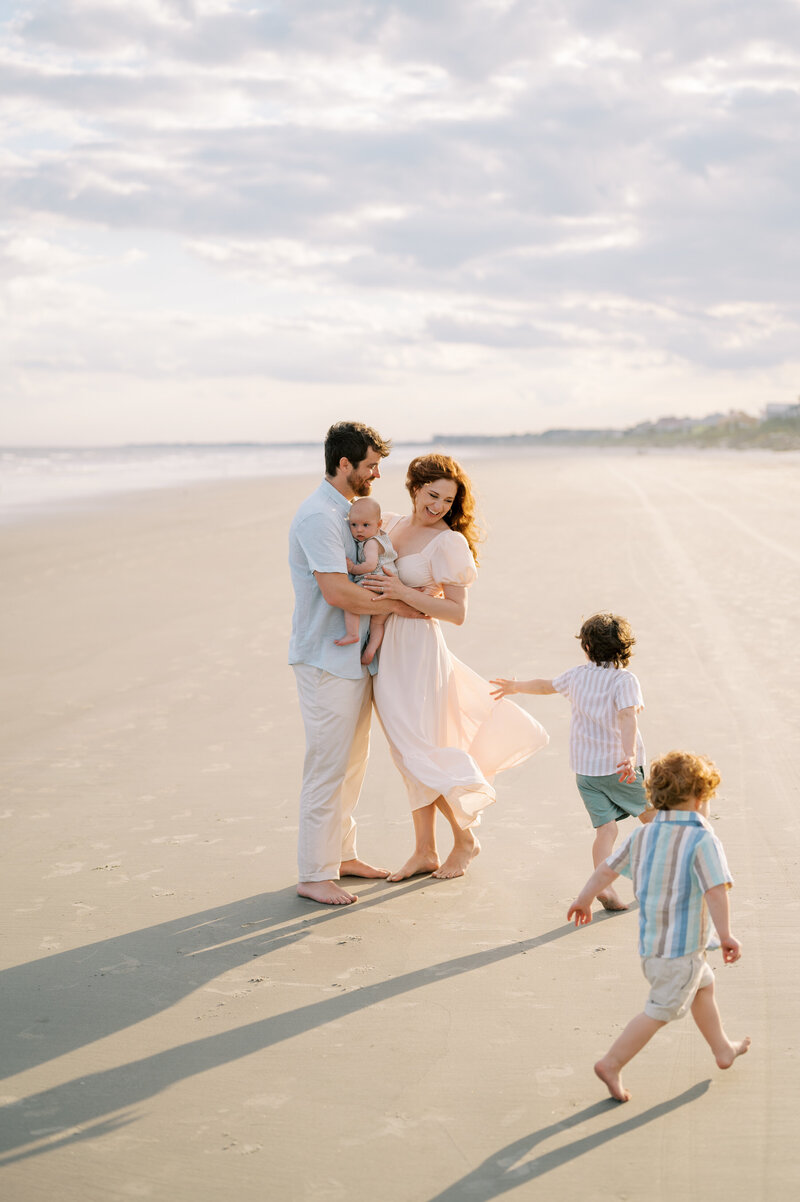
(399, 197)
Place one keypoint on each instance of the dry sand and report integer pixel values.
(177, 1024)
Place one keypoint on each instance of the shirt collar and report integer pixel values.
(690, 817)
(334, 495)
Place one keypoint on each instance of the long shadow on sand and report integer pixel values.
(81, 1109)
(503, 1171)
(65, 1001)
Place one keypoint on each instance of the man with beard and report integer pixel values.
(334, 688)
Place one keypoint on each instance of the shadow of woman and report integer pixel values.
(82, 1108)
(65, 1001)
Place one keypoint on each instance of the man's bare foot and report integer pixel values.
(612, 1080)
(726, 1058)
(359, 868)
(420, 864)
(611, 900)
(460, 858)
(347, 640)
(327, 893)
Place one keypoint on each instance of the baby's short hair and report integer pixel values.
(367, 502)
(607, 639)
(680, 776)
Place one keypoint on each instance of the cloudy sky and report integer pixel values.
(225, 220)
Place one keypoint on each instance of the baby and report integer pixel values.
(374, 552)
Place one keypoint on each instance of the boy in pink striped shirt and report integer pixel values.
(606, 750)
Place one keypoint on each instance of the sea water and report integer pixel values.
(43, 478)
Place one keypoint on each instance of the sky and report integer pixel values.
(242, 221)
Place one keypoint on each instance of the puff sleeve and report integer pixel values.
(451, 560)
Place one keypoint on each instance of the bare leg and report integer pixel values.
(465, 846)
(707, 1017)
(352, 624)
(605, 837)
(424, 858)
(360, 868)
(376, 629)
(327, 893)
(639, 1031)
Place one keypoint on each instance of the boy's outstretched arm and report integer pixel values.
(581, 908)
(506, 687)
(719, 909)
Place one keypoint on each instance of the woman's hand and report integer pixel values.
(387, 586)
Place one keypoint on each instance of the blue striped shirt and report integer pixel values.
(673, 861)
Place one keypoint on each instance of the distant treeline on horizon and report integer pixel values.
(777, 431)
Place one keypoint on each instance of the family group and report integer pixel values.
(371, 591)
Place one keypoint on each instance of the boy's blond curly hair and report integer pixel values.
(679, 776)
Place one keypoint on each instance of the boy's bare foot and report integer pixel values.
(611, 900)
(612, 1079)
(420, 864)
(346, 641)
(359, 868)
(327, 893)
(460, 858)
(726, 1058)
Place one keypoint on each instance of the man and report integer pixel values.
(334, 688)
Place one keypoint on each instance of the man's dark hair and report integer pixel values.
(353, 441)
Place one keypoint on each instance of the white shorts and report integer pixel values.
(674, 983)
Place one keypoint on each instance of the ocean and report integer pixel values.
(37, 479)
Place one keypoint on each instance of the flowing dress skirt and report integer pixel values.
(448, 736)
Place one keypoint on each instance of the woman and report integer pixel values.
(448, 737)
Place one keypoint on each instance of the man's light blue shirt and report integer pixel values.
(320, 541)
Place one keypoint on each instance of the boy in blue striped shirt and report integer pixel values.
(680, 877)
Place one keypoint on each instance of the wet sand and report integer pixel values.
(177, 1024)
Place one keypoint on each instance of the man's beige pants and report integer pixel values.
(336, 716)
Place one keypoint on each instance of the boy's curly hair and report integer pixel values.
(679, 776)
(607, 639)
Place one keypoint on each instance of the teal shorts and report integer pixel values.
(607, 799)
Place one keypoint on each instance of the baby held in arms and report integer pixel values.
(374, 552)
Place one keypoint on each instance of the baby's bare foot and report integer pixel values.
(612, 1079)
(418, 865)
(459, 860)
(327, 893)
(360, 868)
(726, 1058)
(611, 900)
(346, 641)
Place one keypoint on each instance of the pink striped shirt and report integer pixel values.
(597, 692)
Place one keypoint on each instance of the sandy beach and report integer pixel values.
(177, 1024)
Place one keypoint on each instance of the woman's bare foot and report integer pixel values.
(612, 1079)
(420, 864)
(611, 900)
(327, 893)
(460, 858)
(725, 1059)
(359, 868)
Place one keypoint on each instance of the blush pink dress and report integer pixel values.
(448, 736)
